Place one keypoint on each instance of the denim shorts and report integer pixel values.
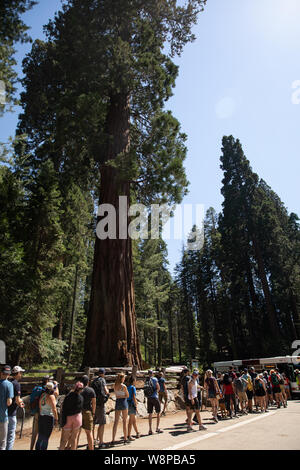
(121, 404)
(131, 410)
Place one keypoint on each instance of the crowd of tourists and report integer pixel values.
(231, 395)
(235, 393)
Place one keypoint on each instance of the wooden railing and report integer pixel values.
(69, 378)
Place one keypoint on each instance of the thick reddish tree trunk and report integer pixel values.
(111, 336)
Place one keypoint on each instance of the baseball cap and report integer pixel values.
(6, 370)
(17, 369)
(101, 370)
(48, 377)
(195, 372)
(150, 371)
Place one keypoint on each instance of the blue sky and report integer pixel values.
(236, 78)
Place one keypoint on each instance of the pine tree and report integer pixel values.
(152, 289)
(12, 30)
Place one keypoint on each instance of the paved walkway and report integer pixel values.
(278, 429)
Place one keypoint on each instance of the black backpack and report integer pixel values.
(98, 386)
(149, 388)
(257, 385)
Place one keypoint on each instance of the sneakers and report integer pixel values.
(150, 433)
(159, 431)
(190, 429)
(138, 435)
(130, 438)
(163, 413)
(202, 428)
(102, 446)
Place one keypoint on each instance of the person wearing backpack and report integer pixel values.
(184, 380)
(260, 392)
(282, 389)
(151, 390)
(274, 379)
(102, 395)
(163, 393)
(88, 411)
(228, 390)
(240, 385)
(213, 392)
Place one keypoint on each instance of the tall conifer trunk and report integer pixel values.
(266, 290)
(111, 336)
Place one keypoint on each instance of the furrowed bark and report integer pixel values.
(111, 336)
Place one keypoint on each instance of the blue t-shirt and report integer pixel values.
(154, 383)
(132, 391)
(6, 391)
(161, 382)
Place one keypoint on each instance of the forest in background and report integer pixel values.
(238, 297)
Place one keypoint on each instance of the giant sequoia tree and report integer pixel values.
(94, 101)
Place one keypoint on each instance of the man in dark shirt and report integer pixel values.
(12, 409)
(88, 412)
(163, 393)
(253, 376)
(102, 394)
(184, 387)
